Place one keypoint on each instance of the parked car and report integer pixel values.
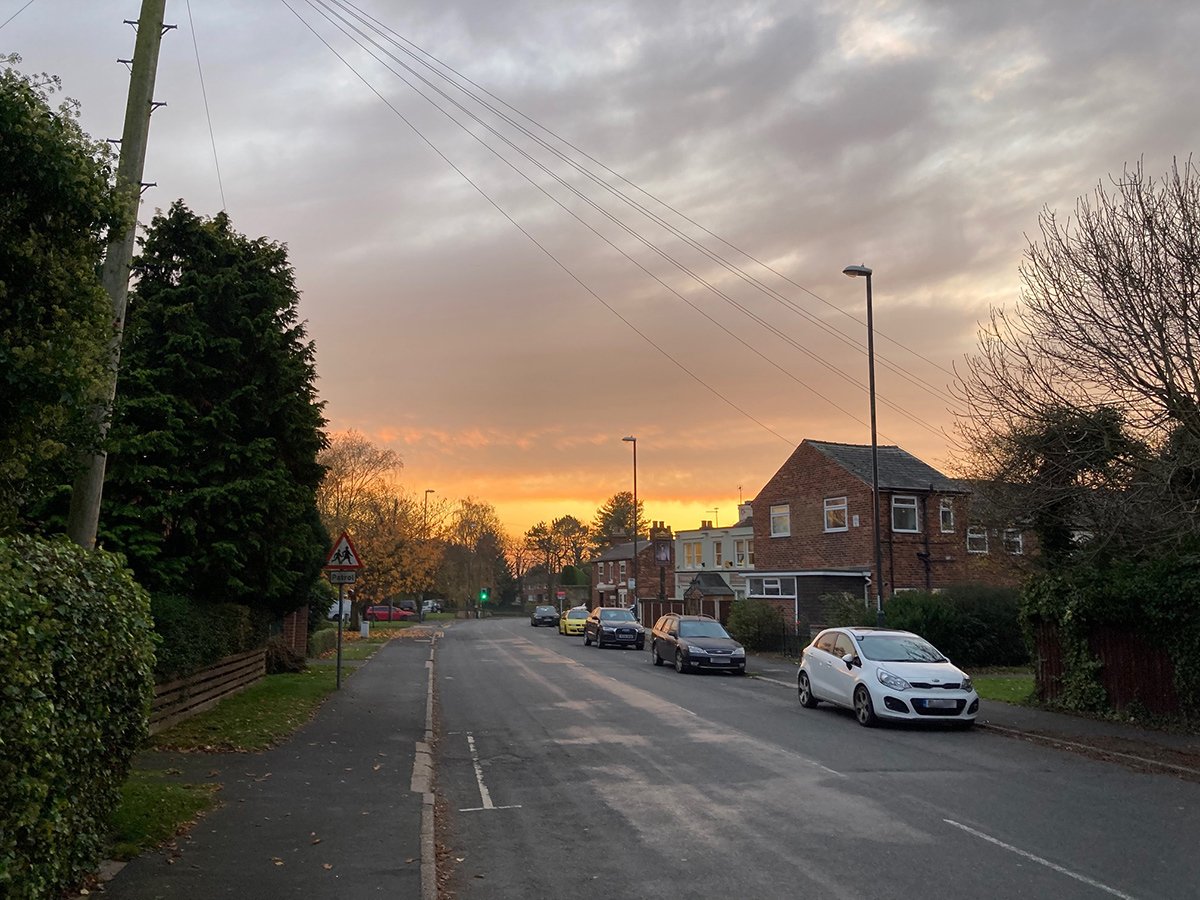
(613, 625)
(332, 612)
(695, 642)
(543, 615)
(885, 674)
(431, 606)
(572, 621)
(388, 614)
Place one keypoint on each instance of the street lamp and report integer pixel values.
(637, 609)
(424, 537)
(855, 272)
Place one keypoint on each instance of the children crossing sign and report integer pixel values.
(343, 556)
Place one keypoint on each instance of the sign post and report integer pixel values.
(342, 565)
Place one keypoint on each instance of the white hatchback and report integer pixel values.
(885, 674)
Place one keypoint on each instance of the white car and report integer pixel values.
(885, 674)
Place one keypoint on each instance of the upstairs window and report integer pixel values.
(718, 554)
(781, 521)
(1014, 542)
(835, 514)
(744, 552)
(693, 554)
(904, 514)
(977, 539)
(947, 514)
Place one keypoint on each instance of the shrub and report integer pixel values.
(847, 609)
(282, 658)
(757, 624)
(195, 634)
(321, 640)
(76, 656)
(972, 625)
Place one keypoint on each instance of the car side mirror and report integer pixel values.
(850, 660)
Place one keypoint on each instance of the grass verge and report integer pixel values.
(1015, 686)
(261, 716)
(153, 810)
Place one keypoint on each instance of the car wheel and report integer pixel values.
(680, 665)
(804, 689)
(587, 641)
(655, 658)
(864, 710)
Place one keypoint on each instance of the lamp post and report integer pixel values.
(425, 538)
(637, 609)
(855, 272)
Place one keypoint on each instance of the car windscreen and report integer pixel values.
(577, 614)
(616, 615)
(702, 629)
(898, 648)
(544, 610)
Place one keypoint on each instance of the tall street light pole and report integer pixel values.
(425, 538)
(855, 272)
(637, 608)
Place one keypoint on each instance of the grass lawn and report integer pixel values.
(1006, 685)
(259, 717)
(153, 810)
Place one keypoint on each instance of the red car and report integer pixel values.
(387, 614)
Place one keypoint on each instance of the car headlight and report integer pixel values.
(895, 682)
(967, 685)
(607, 628)
(739, 652)
(696, 651)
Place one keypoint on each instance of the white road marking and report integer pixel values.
(1037, 859)
(484, 797)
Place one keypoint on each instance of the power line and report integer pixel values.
(530, 236)
(204, 93)
(17, 13)
(324, 10)
(400, 39)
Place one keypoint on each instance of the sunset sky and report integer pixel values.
(503, 344)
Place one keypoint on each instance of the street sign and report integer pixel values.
(342, 576)
(562, 595)
(343, 555)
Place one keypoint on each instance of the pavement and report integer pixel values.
(345, 808)
(341, 810)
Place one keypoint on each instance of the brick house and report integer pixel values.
(615, 582)
(814, 531)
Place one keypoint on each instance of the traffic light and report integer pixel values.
(483, 595)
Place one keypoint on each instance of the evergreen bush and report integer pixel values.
(76, 663)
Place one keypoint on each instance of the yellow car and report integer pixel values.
(571, 622)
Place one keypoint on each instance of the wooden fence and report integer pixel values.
(1131, 669)
(183, 698)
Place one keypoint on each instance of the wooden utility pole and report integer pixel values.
(84, 517)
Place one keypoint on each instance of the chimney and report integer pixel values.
(745, 511)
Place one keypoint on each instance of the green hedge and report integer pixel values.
(76, 656)
(1153, 597)
(321, 640)
(195, 634)
(757, 624)
(974, 625)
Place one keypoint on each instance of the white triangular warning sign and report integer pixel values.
(343, 555)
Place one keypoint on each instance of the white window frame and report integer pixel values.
(781, 520)
(946, 515)
(693, 554)
(1014, 542)
(718, 554)
(835, 505)
(906, 505)
(743, 550)
(974, 532)
(623, 569)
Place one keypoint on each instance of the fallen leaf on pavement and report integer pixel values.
(327, 866)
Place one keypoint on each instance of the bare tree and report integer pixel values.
(357, 473)
(1092, 384)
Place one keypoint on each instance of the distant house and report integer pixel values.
(814, 530)
(616, 581)
(712, 565)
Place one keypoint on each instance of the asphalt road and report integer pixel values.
(567, 771)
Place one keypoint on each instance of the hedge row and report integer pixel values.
(195, 634)
(76, 662)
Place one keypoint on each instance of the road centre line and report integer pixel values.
(1037, 859)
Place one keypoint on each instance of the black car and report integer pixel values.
(695, 642)
(544, 615)
(613, 625)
